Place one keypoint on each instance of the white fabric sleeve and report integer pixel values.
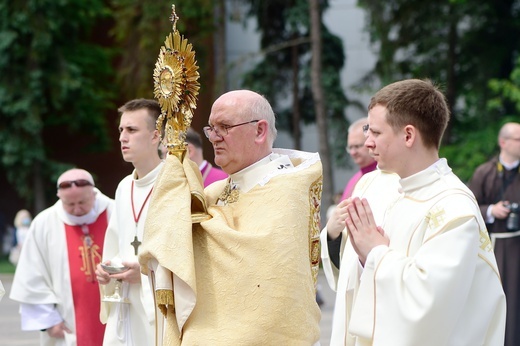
(375, 255)
(489, 217)
(330, 270)
(39, 316)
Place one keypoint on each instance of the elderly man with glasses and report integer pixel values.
(247, 274)
(55, 279)
(359, 154)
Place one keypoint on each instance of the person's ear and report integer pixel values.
(156, 136)
(191, 150)
(262, 129)
(501, 142)
(410, 135)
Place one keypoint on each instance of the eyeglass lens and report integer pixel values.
(209, 129)
(222, 130)
(354, 147)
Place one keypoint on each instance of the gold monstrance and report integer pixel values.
(176, 88)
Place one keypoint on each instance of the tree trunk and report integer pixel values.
(451, 92)
(220, 48)
(319, 104)
(39, 190)
(296, 115)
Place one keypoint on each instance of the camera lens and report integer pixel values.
(513, 220)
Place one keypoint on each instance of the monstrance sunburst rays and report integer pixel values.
(176, 88)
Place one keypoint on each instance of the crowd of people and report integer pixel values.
(191, 254)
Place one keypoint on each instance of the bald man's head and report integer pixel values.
(76, 191)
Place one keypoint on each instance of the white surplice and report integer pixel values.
(436, 283)
(138, 326)
(380, 189)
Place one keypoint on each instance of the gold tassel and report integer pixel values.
(163, 299)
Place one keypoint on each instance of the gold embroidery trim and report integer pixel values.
(315, 191)
(229, 195)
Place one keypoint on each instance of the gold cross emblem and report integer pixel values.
(436, 217)
(229, 195)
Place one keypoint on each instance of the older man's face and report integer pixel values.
(76, 192)
(235, 150)
(510, 145)
(77, 201)
(357, 149)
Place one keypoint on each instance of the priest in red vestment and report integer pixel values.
(55, 279)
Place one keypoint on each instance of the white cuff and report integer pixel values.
(39, 316)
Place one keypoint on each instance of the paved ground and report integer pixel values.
(329, 296)
(11, 335)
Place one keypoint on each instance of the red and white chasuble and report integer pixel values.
(85, 247)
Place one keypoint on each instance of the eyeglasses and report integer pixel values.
(222, 130)
(365, 129)
(354, 147)
(79, 183)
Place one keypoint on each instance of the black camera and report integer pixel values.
(513, 221)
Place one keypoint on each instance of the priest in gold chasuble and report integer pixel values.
(237, 263)
(248, 274)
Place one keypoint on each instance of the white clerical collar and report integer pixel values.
(148, 179)
(203, 165)
(425, 177)
(509, 166)
(86, 219)
(252, 175)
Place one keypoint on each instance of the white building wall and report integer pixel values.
(344, 19)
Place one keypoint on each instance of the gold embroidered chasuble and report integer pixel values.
(247, 276)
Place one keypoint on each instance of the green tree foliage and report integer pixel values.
(284, 74)
(505, 100)
(140, 29)
(507, 90)
(460, 45)
(52, 77)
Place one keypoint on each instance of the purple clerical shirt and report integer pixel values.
(211, 174)
(355, 178)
